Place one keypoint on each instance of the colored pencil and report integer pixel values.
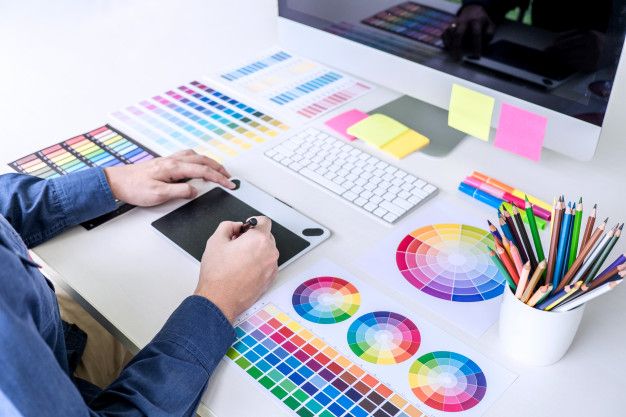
(539, 295)
(528, 249)
(554, 241)
(516, 258)
(534, 232)
(505, 227)
(517, 240)
(562, 247)
(589, 226)
(541, 223)
(620, 260)
(503, 270)
(605, 253)
(580, 259)
(508, 264)
(534, 280)
(578, 217)
(494, 231)
(523, 280)
(552, 215)
(559, 297)
(593, 256)
(609, 276)
(589, 295)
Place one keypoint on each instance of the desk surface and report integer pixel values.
(59, 85)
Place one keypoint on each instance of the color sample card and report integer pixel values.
(470, 112)
(378, 362)
(414, 21)
(103, 147)
(343, 121)
(199, 116)
(304, 88)
(521, 132)
(326, 300)
(439, 257)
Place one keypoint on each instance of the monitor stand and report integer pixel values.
(431, 121)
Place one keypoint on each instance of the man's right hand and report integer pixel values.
(472, 29)
(237, 268)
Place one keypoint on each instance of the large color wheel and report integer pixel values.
(383, 337)
(326, 300)
(451, 262)
(447, 381)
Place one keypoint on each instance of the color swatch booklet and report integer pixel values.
(326, 343)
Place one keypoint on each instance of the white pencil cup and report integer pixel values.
(536, 337)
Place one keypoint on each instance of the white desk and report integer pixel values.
(51, 91)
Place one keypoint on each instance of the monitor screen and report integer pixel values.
(559, 54)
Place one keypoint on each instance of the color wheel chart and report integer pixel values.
(383, 337)
(377, 363)
(326, 300)
(202, 117)
(304, 87)
(451, 262)
(447, 381)
(439, 258)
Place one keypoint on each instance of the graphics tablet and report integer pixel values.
(191, 225)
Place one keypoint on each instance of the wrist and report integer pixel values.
(219, 302)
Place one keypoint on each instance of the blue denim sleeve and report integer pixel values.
(40, 209)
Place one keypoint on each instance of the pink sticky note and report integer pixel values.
(521, 132)
(343, 121)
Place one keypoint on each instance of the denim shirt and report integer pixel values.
(166, 378)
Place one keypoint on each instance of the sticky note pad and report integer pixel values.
(470, 112)
(405, 143)
(377, 129)
(342, 122)
(521, 132)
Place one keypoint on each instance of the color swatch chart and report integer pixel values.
(440, 259)
(375, 361)
(103, 147)
(202, 117)
(451, 262)
(305, 88)
(413, 21)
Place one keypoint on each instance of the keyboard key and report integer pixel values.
(402, 203)
(392, 208)
(323, 181)
(360, 201)
(390, 217)
(349, 195)
(380, 212)
(370, 206)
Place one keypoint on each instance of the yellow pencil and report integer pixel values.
(532, 283)
(569, 293)
(539, 295)
(523, 279)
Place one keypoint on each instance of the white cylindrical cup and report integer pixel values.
(536, 337)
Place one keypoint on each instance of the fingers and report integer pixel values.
(176, 170)
(264, 224)
(476, 36)
(457, 39)
(227, 230)
(193, 157)
(172, 191)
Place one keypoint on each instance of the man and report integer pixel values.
(168, 376)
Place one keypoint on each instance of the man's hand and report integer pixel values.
(238, 268)
(156, 181)
(471, 30)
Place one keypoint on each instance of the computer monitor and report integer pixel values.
(556, 58)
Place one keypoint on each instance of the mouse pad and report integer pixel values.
(191, 225)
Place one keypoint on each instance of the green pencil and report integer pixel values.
(578, 219)
(533, 230)
(503, 270)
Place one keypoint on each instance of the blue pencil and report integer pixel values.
(562, 248)
(545, 303)
(569, 239)
(505, 228)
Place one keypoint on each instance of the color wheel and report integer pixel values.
(451, 262)
(326, 300)
(447, 381)
(383, 337)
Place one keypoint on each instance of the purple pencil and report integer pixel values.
(620, 260)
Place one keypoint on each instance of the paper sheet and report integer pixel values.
(406, 143)
(342, 122)
(470, 112)
(377, 130)
(521, 132)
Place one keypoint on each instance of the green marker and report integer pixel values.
(578, 219)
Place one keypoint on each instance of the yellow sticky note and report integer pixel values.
(470, 112)
(377, 129)
(405, 143)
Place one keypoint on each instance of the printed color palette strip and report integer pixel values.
(103, 147)
(305, 374)
(256, 66)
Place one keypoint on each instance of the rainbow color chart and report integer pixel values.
(451, 262)
(378, 363)
(304, 87)
(326, 300)
(447, 381)
(199, 116)
(383, 337)
(103, 147)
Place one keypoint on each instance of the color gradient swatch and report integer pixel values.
(450, 262)
(103, 147)
(326, 300)
(383, 337)
(447, 381)
(307, 375)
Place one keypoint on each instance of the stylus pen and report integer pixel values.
(251, 222)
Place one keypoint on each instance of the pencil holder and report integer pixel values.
(533, 336)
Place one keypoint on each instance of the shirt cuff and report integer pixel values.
(84, 195)
(201, 327)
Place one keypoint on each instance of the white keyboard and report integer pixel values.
(359, 178)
